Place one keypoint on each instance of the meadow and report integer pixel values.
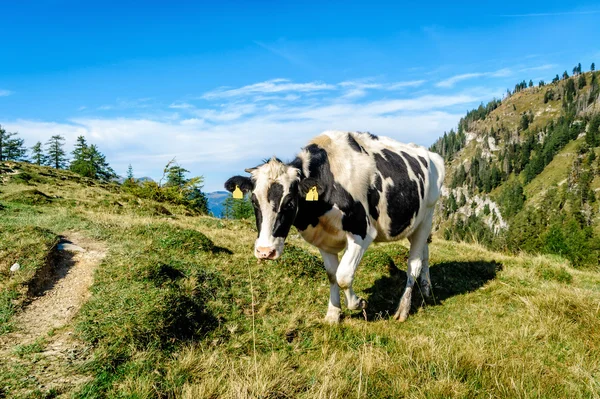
(180, 308)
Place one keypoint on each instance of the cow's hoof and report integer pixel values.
(360, 304)
(403, 309)
(401, 316)
(333, 316)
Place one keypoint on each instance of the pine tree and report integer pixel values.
(101, 169)
(37, 154)
(130, 173)
(80, 163)
(556, 79)
(88, 161)
(15, 149)
(530, 83)
(56, 153)
(565, 75)
(581, 81)
(4, 139)
(592, 136)
(237, 208)
(176, 176)
(593, 67)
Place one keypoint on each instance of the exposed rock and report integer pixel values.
(15, 267)
(65, 246)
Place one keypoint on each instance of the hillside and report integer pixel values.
(523, 173)
(179, 307)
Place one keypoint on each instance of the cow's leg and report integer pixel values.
(418, 243)
(331, 266)
(345, 273)
(424, 279)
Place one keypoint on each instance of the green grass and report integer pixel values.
(180, 308)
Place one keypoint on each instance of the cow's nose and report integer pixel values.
(265, 252)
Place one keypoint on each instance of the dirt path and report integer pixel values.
(42, 343)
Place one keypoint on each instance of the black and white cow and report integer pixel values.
(369, 189)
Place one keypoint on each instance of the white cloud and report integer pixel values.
(181, 106)
(539, 68)
(359, 88)
(83, 107)
(269, 86)
(450, 82)
(5, 93)
(221, 142)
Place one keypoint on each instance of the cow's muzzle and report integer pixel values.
(265, 253)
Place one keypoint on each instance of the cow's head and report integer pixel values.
(274, 187)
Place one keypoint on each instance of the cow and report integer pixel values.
(343, 191)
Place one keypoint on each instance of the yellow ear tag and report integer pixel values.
(237, 193)
(312, 194)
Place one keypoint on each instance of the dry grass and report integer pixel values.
(503, 326)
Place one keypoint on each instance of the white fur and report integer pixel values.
(354, 171)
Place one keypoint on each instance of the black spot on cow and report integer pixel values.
(274, 194)
(423, 161)
(403, 197)
(377, 183)
(287, 213)
(373, 196)
(414, 165)
(372, 136)
(330, 194)
(354, 144)
(416, 168)
(257, 212)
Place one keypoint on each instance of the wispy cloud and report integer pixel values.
(181, 106)
(269, 86)
(359, 88)
(127, 104)
(551, 14)
(450, 82)
(83, 107)
(539, 68)
(5, 93)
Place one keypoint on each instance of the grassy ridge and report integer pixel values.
(180, 308)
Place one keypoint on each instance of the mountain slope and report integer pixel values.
(528, 166)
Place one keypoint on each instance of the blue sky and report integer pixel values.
(222, 85)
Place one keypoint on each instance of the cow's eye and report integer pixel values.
(289, 205)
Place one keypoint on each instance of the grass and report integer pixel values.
(180, 308)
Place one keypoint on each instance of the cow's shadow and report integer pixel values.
(447, 278)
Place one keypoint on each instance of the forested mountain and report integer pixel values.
(523, 173)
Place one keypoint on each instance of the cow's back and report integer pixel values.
(396, 183)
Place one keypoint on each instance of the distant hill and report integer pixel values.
(523, 172)
(215, 202)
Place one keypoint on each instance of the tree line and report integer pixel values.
(561, 220)
(88, 161)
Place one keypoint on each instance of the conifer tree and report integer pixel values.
(15, 149)
(37, 154)
(4, 139)
(55, 152)
(593, 67)
(237, 208)
(80, 163)
(565, 75)
(130, 173)
(88, 161)
(581, 81)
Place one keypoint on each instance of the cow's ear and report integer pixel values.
(243, 182)
(308, 183)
